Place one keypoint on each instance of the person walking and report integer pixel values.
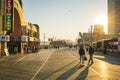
(87, 49)
(82, 54)
(104, 51)
(91, 52)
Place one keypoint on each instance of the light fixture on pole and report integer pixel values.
(91, 36)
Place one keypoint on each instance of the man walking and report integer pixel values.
(91, 52)
(82, 54)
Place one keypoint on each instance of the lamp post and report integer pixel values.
(44, 38)
(91, 35)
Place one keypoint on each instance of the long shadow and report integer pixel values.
(112, 59)
(83, 75)
(46, 76)
(65, 75)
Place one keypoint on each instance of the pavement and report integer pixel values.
(10, 57)
(109, 56)
(62, 64)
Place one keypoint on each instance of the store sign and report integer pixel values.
(115, 43)
(9, 15)
(4, 38)
(24, 39)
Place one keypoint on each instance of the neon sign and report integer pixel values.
(9, 15)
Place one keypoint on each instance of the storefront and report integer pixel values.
(3, 41)
(14, 45)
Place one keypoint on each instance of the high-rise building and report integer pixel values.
(98, 29)
(114, 17)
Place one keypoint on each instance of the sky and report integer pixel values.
(64, 19)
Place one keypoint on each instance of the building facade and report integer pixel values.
(98, 31)
(114, 17)
(18, 34)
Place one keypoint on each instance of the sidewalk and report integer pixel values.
(108, 54)
(11, 57)
(110, 58)
(19, 55)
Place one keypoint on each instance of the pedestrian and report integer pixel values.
(25, 49)
(104, 51)
(87, 49)
(82, 54)
(91, 52)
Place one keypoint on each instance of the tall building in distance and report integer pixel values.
(98, 29)
(114, 17)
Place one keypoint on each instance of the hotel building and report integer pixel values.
(114, 17)
(15, 32)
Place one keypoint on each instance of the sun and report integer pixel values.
(102, 19)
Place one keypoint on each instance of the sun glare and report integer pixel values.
(102, 19)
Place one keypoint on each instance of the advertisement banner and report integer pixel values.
(4, 38)
(9, 16)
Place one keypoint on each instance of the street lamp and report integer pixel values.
(91, 35)
(44, 38)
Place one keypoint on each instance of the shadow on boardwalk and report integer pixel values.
(81, 76)
(46, 76)
(110, 58)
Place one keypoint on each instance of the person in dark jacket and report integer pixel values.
(104, 51)
(91, 52)
(81, 53)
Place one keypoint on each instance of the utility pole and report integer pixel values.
(44, 38)
(91, 35)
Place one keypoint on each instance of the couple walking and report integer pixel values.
(83, 57)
